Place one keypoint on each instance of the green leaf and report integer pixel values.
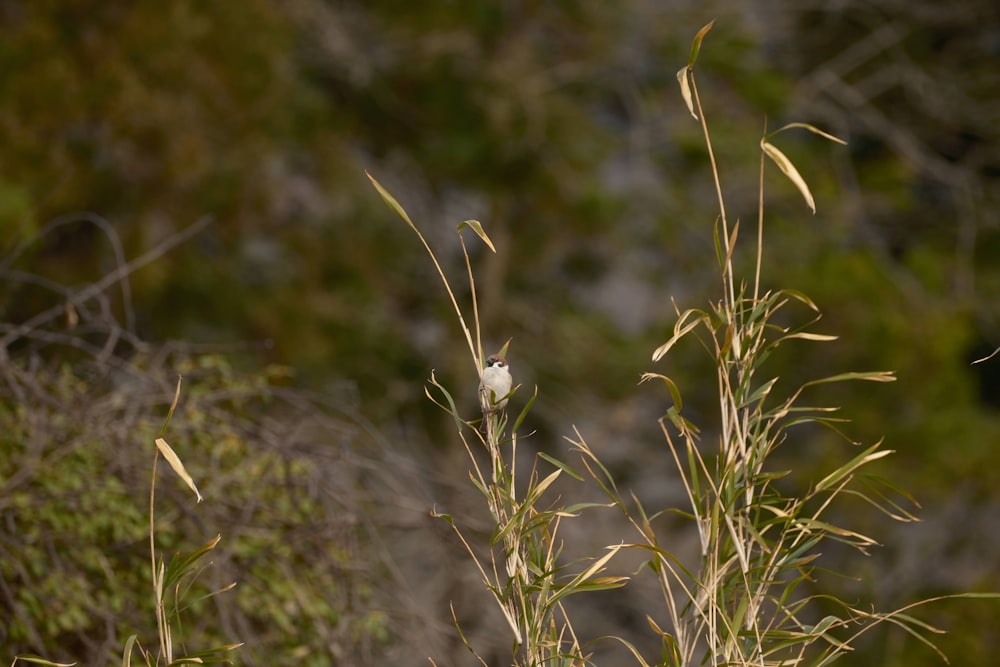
(503, 349)
(868, 376)
(867, 456)
(391, 201)
(173, 406)
(452, 409)
(179, 566)
(562, 466)
(127, 652)
(675, 392)
(696, 43)
(525, 410)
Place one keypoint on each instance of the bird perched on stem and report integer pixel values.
(495, 384)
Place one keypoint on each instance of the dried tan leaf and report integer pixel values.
(682, 78)
(477, 227)
(177, 465)
(790, 171)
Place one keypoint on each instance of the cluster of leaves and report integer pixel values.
(738, 600)
(81, 400)
(555, 125)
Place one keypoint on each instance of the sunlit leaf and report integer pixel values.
(810, 128)
(38, 660)
(681, 329)
(810, 336)
(390, 200)
(865, 457)
(177, 465)
(868, 376)
(477, 227)
(790, 171)
(683, 78)
(987, 358)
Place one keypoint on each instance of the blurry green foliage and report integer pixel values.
(74, 476)
(559, 126)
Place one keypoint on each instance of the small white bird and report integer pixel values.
(495, 384)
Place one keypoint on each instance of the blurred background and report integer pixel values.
(306, 317)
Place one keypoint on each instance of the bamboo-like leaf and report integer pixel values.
(391, 201)
(868, 376)
(544, 484)
(210, 655)
(760, 393)
(633, 650)
(39, 660)
(803, 335)
(595, 567)
(683, 78)
(177, 465)
(127, 652)
(809, 525)
(178, 567)
(675, 392)
(867, 456)
(525, 410)
(790, 171)
(562, 466)
(681, 329)
(173, 406)
(452, 409)
(810, 128)
(696, 42)
(477, 227)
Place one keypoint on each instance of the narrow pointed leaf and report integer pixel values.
(391, 201)
(477, 227)
(173, 406)
(127, 652)
(790, 171)
(696, 42)
(811, 128)
(868, 376)
(177, 465)
(675, 392)
(867, 456)
(525, 410)
(683, 78)
(987, 357)
(681, 329)
(38, 660)
(562, 466)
